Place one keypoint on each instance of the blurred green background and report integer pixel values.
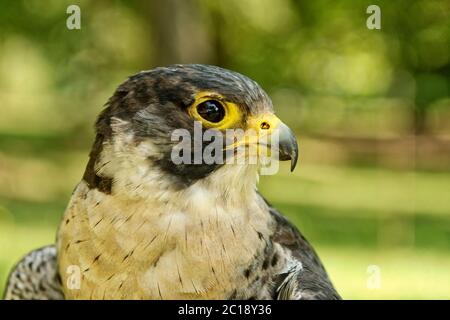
(371, 109)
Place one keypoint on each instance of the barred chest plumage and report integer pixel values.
(188, 249)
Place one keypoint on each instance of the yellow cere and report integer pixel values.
(264, 124)
(258, 127)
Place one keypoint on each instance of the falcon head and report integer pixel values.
(133, 149)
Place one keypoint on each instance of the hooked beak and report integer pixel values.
(288, 147)
(287, 143)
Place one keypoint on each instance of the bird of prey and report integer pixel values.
(140, 226)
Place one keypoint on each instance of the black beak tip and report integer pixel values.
(288, 146)
(293, 163)
(294, 158)
(290, 153)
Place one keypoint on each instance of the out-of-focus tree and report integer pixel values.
(181, 32)
(317, 59)
(424, 32)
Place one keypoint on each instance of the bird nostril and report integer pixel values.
(265, 125)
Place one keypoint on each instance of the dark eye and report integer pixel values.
(211, 110)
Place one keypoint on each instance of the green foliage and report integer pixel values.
(367, 190)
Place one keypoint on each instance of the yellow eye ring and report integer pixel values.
(213, 111)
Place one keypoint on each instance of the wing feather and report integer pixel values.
(35, 277)
(307, 278)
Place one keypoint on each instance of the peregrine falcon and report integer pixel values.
(141, 226)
